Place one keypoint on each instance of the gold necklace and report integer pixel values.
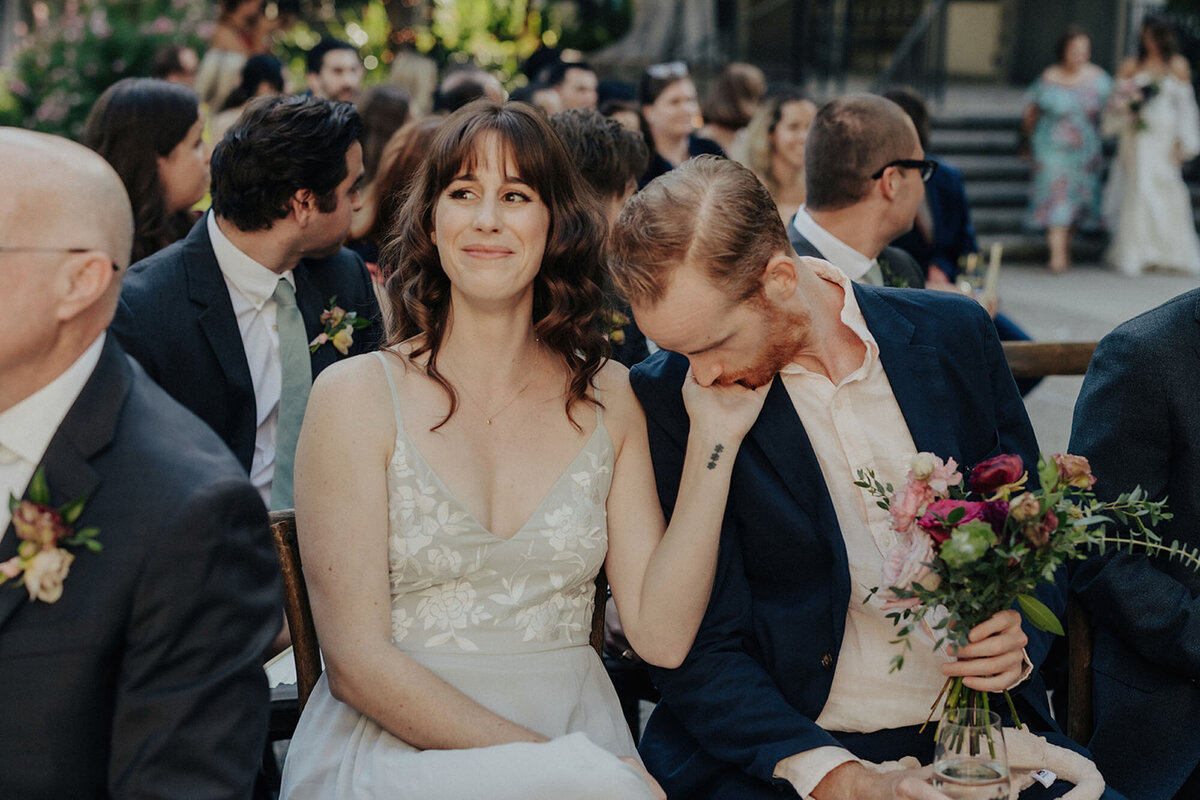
(489, 417)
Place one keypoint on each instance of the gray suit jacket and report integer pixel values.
(1138, 422)
(899, 269)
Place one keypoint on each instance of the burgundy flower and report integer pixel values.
(934, 522)
(995, 513)
(1038, 533)
(37, 523)
(989, 476)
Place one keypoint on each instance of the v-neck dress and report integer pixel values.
(506, 622)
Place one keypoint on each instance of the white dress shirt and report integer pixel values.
(27, 428)
(251, 289)
(854, 264)
(858, 424)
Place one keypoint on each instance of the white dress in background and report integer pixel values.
(1147, 206)
(505, 621)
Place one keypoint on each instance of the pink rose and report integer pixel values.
(1074, 471)
(321, 339)
(934, 521)
(906, 564)
(11, 568)
(907, 505)
(930, 470)
(995, 474)
(45, 574)
(1025, 507)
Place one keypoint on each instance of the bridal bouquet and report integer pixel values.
(1131, 97)
(969, 549)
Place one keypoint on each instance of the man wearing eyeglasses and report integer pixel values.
(132, 668)
(864, 172)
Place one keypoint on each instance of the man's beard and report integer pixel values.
(785, 332)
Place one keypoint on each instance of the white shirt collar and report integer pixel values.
(27, 428)
(254, 281)
(851, 317)
(853, 263)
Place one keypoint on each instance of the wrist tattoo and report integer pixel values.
(716, 455)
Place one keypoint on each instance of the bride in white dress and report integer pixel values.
(1147, 206)
(457, 494)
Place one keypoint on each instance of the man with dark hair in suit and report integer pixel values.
(575, 82)
(864, 174)
(787, 687)
(1138, 422)
(225, 320)
(134, 670)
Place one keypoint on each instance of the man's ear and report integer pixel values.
(890, 183)
(779, 277)
(310, 79)
(304, 205)
(83, 279)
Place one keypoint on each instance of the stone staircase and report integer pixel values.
(984, 147)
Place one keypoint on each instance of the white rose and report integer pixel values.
(45, 574)
(922, 465)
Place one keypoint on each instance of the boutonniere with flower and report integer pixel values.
(614, 326)
(40, 563)
(340, 326)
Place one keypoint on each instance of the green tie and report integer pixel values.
(296, 373)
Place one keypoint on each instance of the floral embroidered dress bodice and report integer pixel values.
(456, 587)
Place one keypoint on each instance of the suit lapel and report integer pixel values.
(915, 375)
(802, 245)
(88, 428)
(207, 290)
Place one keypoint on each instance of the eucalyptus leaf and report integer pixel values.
(1038, 615)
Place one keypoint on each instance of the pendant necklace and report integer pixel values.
(486, 416)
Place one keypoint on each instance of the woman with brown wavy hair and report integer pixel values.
(458, 492)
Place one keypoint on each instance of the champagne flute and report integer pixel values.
(969, 759)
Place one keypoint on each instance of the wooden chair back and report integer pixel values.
(305, 647)
(1036, 360)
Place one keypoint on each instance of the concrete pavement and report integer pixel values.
(1084, 304)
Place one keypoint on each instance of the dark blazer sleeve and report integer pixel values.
(191, 670)
(124, 327)
(1123, 424)
(721, 694)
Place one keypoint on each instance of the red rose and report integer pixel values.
(988, 476)
(934, 522)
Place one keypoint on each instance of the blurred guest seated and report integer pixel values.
(242, 31)
(1138, 423)
(384, 110)
(539, 95)
(333, 70)
(773, 147)
(261, 77)
(151, 132)
(575, 84)
(864, 173)
(176, 63)
(610, 158)
(730, 103)
(464, 84)
(133, 664)
(669, 106)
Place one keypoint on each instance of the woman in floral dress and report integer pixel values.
(1062, 123)
(457, 493)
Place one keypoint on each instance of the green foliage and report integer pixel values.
(77, 49)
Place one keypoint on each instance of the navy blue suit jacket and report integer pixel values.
(175, 317)
(762, 665)
(953, 232)
(145, 678)
(1138, 422)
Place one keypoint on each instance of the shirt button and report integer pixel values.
(827, 661)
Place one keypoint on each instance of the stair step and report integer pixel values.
(989, 167)
(998, 194)
(976, 122)
(948, 142)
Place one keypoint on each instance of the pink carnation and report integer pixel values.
(908, 504)
(907, 563)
